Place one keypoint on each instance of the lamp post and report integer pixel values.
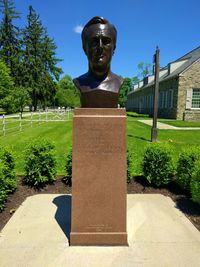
(156, 90)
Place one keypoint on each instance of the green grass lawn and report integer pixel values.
(179, 123)
(139, 135)
(60, 133)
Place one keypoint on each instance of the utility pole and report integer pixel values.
(156, 90)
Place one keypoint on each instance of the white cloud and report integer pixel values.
(78, 29)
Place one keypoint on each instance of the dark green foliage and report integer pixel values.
(31, 59)
(195, 183)
(10, 46)
(32, 64)
(129, 166)
(8, 171)
(39, 62)
(157, 164)
(185, 166)
(68, 178)
(40, 163)
(7, 175)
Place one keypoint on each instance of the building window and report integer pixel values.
(196, 98)
(166, 99)
(161, 99)
(170, 99)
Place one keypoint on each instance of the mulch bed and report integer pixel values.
(137, 186)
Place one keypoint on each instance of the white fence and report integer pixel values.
(17, 122)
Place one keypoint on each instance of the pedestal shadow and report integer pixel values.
(63, 213)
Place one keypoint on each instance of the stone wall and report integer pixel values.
(191, 115)
(136, 100)
(189, 79)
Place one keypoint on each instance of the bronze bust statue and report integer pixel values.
(99, 87)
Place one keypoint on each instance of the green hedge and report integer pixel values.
(8, 182)
(185, 166)
(40, 163)
(195, 183)
(68, 178)
(157, 165)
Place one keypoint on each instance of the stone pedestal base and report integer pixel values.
(99, 171)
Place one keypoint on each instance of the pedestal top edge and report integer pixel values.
(100, 111)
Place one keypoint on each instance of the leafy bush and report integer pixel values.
(40, 163)
(8, 181)
(157, 164)
(68, 178)
(195, 183)
(129, 166)
(185, 166)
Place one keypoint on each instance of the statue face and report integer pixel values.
(99, 48)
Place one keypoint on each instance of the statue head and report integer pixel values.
(99, 43)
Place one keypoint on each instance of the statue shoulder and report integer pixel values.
(81, 81)
(118, 80)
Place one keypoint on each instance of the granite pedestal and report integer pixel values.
(99, 170)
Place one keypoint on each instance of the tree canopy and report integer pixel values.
(67, 94)
(30, 55)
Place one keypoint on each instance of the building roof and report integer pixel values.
(176, 67)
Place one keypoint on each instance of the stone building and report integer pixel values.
(179, 90)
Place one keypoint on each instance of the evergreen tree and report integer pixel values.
(39, 61)
(51, 71)
(32, 65)
(9, 38)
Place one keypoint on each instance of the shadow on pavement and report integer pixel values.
(63, 213)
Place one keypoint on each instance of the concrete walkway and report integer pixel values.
(158, 235)
(164, 126)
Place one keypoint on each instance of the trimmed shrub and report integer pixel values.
(40, 163)
(68, 178)
(8, 172)
(185, 166)
(157, 164)
(8, 181)
(195, 183)
(129, 166)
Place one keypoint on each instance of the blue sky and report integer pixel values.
(141, 24)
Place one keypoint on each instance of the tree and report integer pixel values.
(6, 87)
(39, 61)
(134, 80)
(9, 38)
(51, 71)
(144, 69)
(32, 65)
(21, 98)
(67, 94)
(125, 88)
